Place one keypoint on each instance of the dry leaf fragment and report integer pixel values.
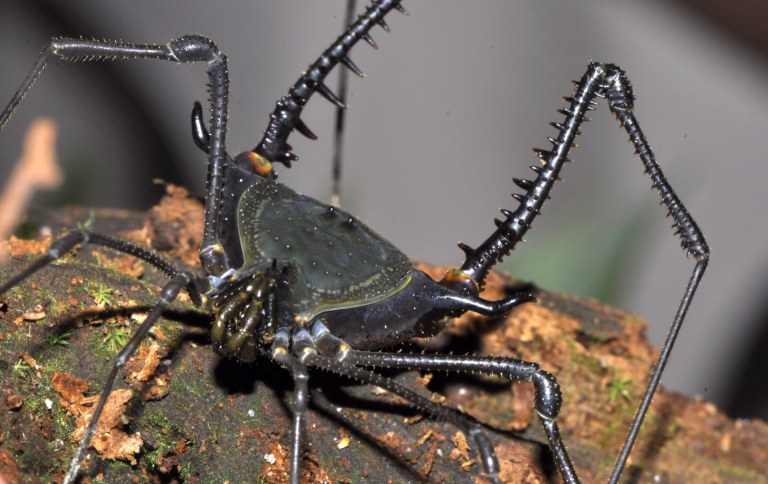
(343, 443)
(109, 440)
(35, 314)
(460, 441)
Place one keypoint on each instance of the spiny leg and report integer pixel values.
(287, 113)
(620, 100)
(180, 280)
(190, 48)
(300, 401)
(547, 391)
(67, 242)
(600, 80)
(273, 146)
(169, 294)
(334, 355)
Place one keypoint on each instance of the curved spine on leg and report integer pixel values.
(489, 308)
(620, 97)
(602, 80)
(599, 80)
(286, 116)
(511, 230)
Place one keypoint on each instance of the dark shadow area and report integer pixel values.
(235, 377)
(748, 397)
(326, 406)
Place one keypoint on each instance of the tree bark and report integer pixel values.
(203, 418)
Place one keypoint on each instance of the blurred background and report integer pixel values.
(455, 98)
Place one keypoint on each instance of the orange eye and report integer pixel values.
(262, 165)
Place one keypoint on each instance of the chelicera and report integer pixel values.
(305, 284)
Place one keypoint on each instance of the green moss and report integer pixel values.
(587, 362)
(164, 431)
(62, 339)
(196, 387)
(20, 369)
(620, 387)
(87, 224)
(157, 419)
(116, 339)
(165, 436)
(63, 423)
(110, 340)
(102, 295)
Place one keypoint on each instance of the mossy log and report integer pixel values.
(201, 418)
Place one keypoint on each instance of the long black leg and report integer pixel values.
(335, 355)
(609, 81)
(300, 401)
(461, 421)
(190, 48)
(67, 242)
(299, 408)
(547, 391)
(169, 293)
(338, 132)
(180, 280)
(658, 369)
(620, 100)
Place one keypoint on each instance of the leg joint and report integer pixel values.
(548, 396)
(171, 290)
(619, 92)
(192, 48)
(61, 246)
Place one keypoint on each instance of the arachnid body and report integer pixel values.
(306, 285)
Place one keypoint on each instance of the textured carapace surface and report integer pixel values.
(333, 260)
